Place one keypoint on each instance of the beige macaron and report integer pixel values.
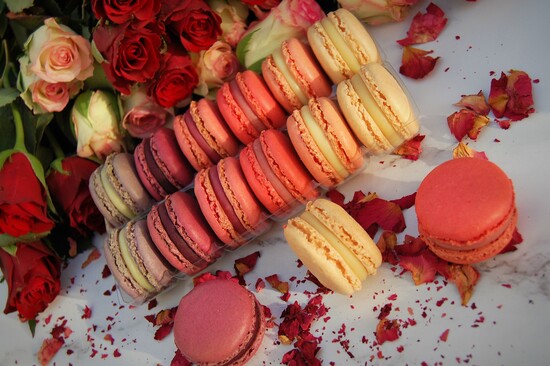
(377, 109)
(342, 44)
(333, 246)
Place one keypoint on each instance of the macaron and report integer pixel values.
(342, 44)
(377, 109)
(203, 135)
(181, 233)
(324, 142)
(333, 246)
(117, 191)
(228, 203)
(137, 266)
(219, 322)
(160, 164)
(466, 210)
(294, 75)
(248, 106)
(276, 174)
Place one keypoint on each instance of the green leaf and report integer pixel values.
(32, 326)
(242, 47)
(8, 95)
(7, 240)
(17, 6)
(12, 249)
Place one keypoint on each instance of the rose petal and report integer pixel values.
(425, 27)
(411, 149)
(387, 330)
(277, 284)
(466, 122)
(415, 63)
(463, 276)
(246, 264)
(475, 102)
(462, 150)
(49, 349)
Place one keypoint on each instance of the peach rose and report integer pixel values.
(215, 66)
(142, 116)
(58, 54)
(234, 16)
(53, 97)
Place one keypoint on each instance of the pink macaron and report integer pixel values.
(294, 75)
(203, 135)
(276, 174)
(466, 210)
(228, 203)
(161, 166)
(219, 322)
(248, 106)
(181, 233)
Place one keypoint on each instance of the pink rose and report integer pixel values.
(53, 97)
(234, 16)
(143, 116)
(215, 66)
(58, 54)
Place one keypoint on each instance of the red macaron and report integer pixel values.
(276, 174)
(228, 203)
(466, 210)
(219, 322)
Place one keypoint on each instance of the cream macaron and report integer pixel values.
(342, 44)
(377, 109)
(333, 246)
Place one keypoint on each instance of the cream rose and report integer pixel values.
(215, 66)
(53, 97)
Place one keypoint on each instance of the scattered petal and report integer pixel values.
(516, 239)
(511, 96)
(94, 254)
(387, 330)
(415, 62)
(425, 27)
(86, 313)
(443, 337)
(277, 284)
(180, 360)
(423, 266)
(49, 349)
(246, 264)
(475, 102)
(462, 151)
(411, 149)
(463, 276)
(466, 122)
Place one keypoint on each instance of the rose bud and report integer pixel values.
(215, 66)
(142, 115)
(376, 12)
(290, 19)
(96, 117)
(234, 16)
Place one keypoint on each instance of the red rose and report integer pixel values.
(32, 275)
(119, 11)
(132, 52)
(23, 207)
(194, 22)
(71, 194)
(175, 81)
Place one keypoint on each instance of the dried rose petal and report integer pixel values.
(207, 276)
(297, 321)
(180, 360)
(94, 254)
(462, 151)
(423, 266)
(49, 349)
(411, 246)
(305, 352)
(425, 27)
(443, 337)
(411, 149)
(246, 264)
(463, 276)
(475, 102)
(387, 330)
(281, 286)
(511, 246)
(386, 244)
(415, 63)
(86, 312)
(466, 122)
(498, 97)
(511, 96)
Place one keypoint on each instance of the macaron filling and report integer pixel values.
(193, 129)
(131, 263)
(347, 255)
(323, 142)
(225, 204)
(341, 45)
(153, 166)
(374, 110)
(285, 70)
(245, 107)
(113, 196)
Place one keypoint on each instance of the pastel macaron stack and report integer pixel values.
(117, 191)
(342, 44)
(377, 109)
(161, 166)
(248, 106)
(181, 234)
(203, 135)
(139, 269)
(333, 246)
(276, 174)
(294, 75)
(321, 137)
(228, 203)
(466, 210)
(219, 322)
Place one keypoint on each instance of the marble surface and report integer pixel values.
(506, 320)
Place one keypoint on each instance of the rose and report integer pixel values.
(377, 12)
(68, 186)
(119, 11)
(195, 24)
(23, 202)
(95, 116)
(32, 275)
(53, 97)
(142, 115)
(58, 54)
(174, 83)
(234, 16)
(215, 66)
(131, 51)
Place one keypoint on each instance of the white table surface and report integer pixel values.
(508, 317)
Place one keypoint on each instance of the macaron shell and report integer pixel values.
(196, 156)
(342, 44)
(219, 322)
(107, 209)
